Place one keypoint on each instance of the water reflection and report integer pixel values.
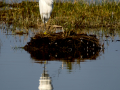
(59, 47)
(93, 73)
(79, 55)
(69, 50)
(0, 45)
(45, 81)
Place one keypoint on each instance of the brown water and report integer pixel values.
(19, 71)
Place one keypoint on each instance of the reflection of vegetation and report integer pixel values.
(68, 49)
(69, 15)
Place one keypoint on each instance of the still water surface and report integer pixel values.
(18, 71)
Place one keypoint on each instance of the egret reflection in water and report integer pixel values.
(45, 81)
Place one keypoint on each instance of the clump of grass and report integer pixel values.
(72, 16)
(25, 14)
(80, 15)
(2, 4)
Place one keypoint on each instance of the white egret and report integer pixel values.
(45, 7)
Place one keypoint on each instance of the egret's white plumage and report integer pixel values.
(45, 7)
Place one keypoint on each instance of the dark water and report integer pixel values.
(18, 71)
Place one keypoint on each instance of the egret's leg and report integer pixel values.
(44, 23)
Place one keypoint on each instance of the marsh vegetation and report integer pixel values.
(71, 16)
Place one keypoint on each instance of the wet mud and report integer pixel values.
(61, 47)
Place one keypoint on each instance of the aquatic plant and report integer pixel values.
(71, 16)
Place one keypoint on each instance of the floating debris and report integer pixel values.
(117, 40)
(20, 32)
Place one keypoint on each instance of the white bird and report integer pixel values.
(45, 7)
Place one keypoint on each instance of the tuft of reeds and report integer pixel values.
(71, 16)
(25, 14)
